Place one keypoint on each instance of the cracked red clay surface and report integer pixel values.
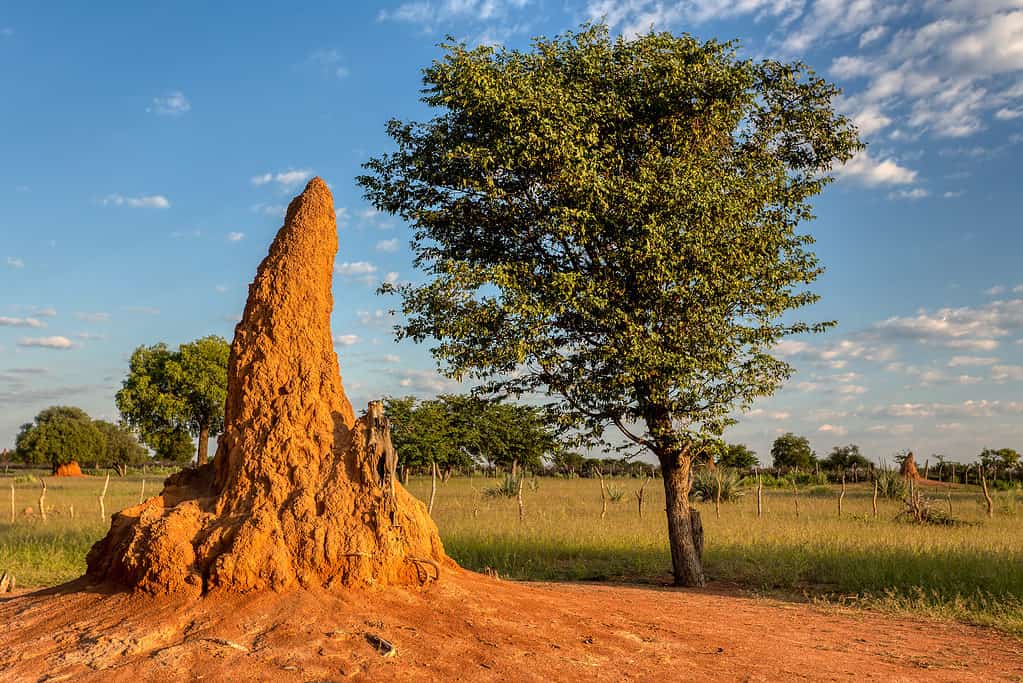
(473, 628)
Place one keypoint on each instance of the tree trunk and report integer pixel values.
(204, 445)
(683, 523)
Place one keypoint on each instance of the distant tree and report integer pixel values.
(167, 391)
(843, 458)
(737, 455)
(790, 450)
(173, 445)
(60, 435)
(1000, 457)
(121, 448)
(457, 431)
(613, 223)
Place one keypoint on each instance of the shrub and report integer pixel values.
(705, 485)
(891, 485)
(509, 488)
(615, 493)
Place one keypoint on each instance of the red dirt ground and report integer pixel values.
(473, 628)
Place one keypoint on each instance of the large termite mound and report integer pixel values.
(300, 492)
(908, 469)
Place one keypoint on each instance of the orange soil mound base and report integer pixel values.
(470, 628)
(69, 470)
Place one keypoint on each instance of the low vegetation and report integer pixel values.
(971, 572)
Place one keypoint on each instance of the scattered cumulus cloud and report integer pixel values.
(330, 63)
(13, 262)
(172, 104)
(355, 268)
(156, 201)
(235, 236)
(866, 170)
(93, 317)
(21, 322)
(46, 342)
(286, 179)
(915, 193)
(390, 245)
(346, 339)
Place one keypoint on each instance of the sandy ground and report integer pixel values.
(473, 628)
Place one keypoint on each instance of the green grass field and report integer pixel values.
(971, 572)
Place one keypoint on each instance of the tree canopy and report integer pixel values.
(612, 223)
(1003, 457)
(846, 457)
(60, 435)
(737, 455)
(458, 431)
(120, 448)
(789, 450)
(172, 391)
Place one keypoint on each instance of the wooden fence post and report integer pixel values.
(42, 498)
(874, 501)
(639, 496)
(142, 492)
(12, 501)
(760, 494)
(795, 495)
(102, 496)
(841, 496)
(522, 512)
(987, 496)
(603, 496)
(433, 489)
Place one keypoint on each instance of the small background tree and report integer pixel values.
(791, 451)
(167, 392)
(60, 435)
(121, 449)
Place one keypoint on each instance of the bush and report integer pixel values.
(891, 485)
(509, 488)
(615, 493)
(705, 485)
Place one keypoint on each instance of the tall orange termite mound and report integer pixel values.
(300, 492)
(908, 469)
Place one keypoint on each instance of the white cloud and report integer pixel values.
(971, 361)
(345, 339)
(893, 430)
(235, 236)
(20, 322)
(391, 277)
(13, 262)
(870, 120)
(330, 62)
(392, 358)
(423, 381)
(872, 35)
(995, 291)
(156, 201)
(975, 328)
(286, 179)
(342, 216)
(871, 172)
(971, 408)
(953, 194)
(852, 67)
(220, 289)
(427, 14)
(45, 312)
(173, 104)
(1007, 373)
(914, 194)
(46, 342)
(355, 268)
(390, 245)
(97, 317)
(1006, 114)
(837, 430)
(89, 336)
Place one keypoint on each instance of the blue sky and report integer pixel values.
(147, 153)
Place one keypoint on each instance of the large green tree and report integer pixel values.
(60, 435)
(613, 223)
(171, 391)
(737, 455)
(792, 451)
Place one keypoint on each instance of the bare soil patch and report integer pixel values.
(472, 628)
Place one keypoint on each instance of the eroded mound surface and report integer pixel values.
(70, 469)
(300, 492)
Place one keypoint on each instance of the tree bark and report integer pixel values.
(201, 455)
(683, 523)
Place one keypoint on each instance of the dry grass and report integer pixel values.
(971, 572)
